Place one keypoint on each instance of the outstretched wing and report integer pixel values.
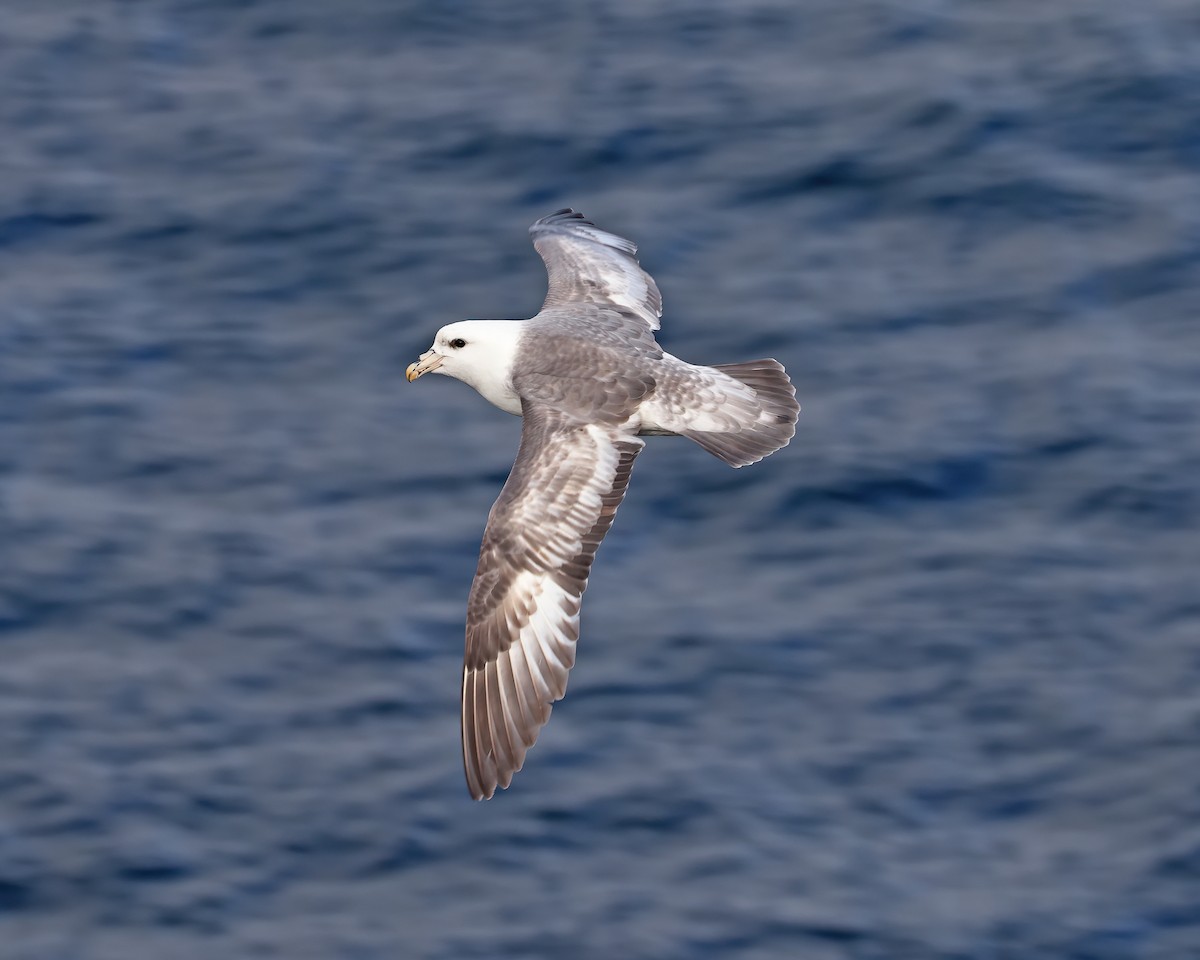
(523, 613)
(589, 265)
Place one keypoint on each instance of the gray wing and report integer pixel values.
(523, 613)
(588, 265)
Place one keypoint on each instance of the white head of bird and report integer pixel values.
(479, 353)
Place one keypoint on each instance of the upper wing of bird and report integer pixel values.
(589, 265)
(523, 613)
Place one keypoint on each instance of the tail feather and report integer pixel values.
(773, 425)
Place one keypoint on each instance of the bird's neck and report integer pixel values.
(493, 380)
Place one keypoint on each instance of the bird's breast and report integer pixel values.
(500, 394)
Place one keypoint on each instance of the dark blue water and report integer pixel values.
(926, 684)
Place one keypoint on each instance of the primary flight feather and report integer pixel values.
(588, 380)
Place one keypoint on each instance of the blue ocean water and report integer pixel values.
(922, 685)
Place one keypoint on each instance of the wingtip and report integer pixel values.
(560, 216)
(575, 223)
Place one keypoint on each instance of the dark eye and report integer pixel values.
(458, 343)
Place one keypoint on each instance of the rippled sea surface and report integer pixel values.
(925, 684)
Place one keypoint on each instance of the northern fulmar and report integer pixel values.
(588, 380)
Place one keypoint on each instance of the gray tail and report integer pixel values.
(771, 425)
